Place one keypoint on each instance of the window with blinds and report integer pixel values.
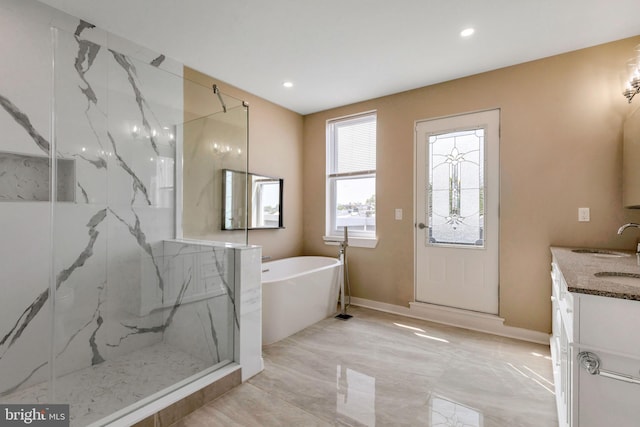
(351, 175)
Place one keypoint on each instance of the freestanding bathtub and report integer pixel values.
(297, 292)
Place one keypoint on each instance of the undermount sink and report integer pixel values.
(601, 253)
(621, 278)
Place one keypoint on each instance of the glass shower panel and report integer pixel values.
(211, 145)
(135, 311)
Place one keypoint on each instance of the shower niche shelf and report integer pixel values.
(25, 178)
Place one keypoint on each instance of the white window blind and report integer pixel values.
(355, 145)
(351, 175)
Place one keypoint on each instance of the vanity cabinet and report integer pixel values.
(605, 326)
(561, 341)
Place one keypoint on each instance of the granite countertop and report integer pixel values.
(578, 270)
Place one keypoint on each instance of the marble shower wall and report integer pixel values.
(117, 107)
(204, 330)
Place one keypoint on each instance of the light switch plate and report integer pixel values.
(398, 214)
(584, 215)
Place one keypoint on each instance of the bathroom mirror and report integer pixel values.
(630, 159)
(264, 201)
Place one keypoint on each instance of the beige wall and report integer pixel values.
(275, 149)
(560, 149)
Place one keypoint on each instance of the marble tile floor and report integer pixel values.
(101, 390)
(387, 370)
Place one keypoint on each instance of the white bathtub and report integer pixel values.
(297, 292)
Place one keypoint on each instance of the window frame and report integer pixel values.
(332, 179)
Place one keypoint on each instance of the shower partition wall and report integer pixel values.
(130, 312)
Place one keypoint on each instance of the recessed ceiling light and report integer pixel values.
(287, 84)
(467, 32)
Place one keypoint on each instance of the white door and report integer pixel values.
(457, 180)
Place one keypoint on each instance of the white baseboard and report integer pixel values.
(472, 320)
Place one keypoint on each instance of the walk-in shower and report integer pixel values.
(110, 311)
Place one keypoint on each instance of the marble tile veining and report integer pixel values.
(23, 120)
(387, 370)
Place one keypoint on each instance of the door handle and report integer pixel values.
(421, 226)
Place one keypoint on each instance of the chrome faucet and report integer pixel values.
(343, 243)
(624, 227)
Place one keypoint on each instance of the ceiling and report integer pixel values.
(337, 52)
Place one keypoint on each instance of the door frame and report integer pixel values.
(415, 201)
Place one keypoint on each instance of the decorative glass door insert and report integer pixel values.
(455, 199)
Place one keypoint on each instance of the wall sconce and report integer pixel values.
(632, 87)
(224, 150)
(166, 133)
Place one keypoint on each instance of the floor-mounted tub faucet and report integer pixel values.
(342, 255)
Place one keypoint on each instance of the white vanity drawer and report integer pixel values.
(563, 300)
(555, 274)
(610, 323)
(559, 287)
(555, 319)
